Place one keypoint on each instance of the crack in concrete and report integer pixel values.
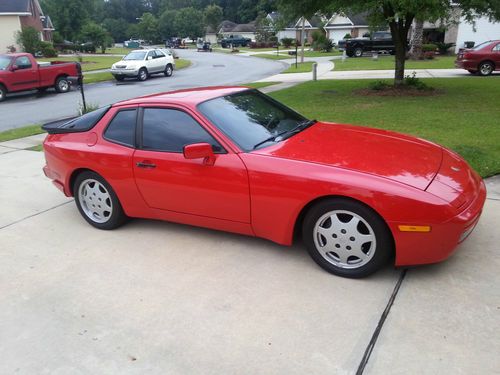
(33, 215)
(383, 317)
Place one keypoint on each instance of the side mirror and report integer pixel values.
(13, 68)
(200, 151)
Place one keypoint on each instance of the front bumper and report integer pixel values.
(125, 72)
(422, 248)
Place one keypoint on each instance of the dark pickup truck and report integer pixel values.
(235, 41)
(380, 41)
(21, 72)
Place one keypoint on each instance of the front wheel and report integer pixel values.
(3, 93)
(97, 202)
(143, 74)
(346, 238)
(358, 52)
(62, 85)
(168, 70)
(486, 68)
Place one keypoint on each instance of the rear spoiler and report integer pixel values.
(55, 127)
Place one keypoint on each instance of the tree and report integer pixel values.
(166, 26)
(417, 39)
(148, 28)
(189, 22)
(96, 34)
(29, 39)
(264, 31)
(117, 28)
(212, 16)
(68, 16)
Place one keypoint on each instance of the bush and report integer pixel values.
(347, 36)
(429, 55)
(47, 49)
(430, 47)
(378, 85)
(417, 83)
(444, 47)
(29, 39)
(287, 42)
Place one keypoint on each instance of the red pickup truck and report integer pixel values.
(21, 72)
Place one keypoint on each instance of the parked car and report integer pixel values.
(380, 41)
(482, 59)
(21, 72)
(142, 63)
(234, 159)
(203, 46)
(235, 41)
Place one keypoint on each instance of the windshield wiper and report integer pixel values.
(300, 126)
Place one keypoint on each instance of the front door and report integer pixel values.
(25, 75)
(168, 181)
(496, 56)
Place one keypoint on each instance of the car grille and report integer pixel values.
(121, 66)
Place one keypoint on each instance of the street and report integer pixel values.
(207, 69)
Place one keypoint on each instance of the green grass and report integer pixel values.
(89, 63)
(97, 77)
(464, 117)
(320, 54)
(272, 56)
(26, 131)
(259, 85)
(118, 50)
(387, 62)
(182, 63)
(36, 148)
(301, 68)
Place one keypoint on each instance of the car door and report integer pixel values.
(161, 60)
(168, 181)
(24, 75)
(496, 56)
(150, 62)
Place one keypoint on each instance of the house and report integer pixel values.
(294, 30)
(228, 28)
(16, 14)
(341, 24)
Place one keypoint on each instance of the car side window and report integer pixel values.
(170, 130)
(23, 62)
(497, 48)
(159, 54)
(121, 129)
(151, 54)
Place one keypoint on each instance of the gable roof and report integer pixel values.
(245, 27)
(226, 26)
(21, 7)
(348, 19)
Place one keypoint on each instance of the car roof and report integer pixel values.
(186, 96)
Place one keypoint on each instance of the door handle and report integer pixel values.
(146, 165)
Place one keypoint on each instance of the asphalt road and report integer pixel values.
(207, 69)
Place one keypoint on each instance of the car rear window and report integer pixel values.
(78, 124)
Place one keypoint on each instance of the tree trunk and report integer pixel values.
(302, 39)
(416, 40)
(399, 32)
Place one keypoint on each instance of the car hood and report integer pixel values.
(398, 157)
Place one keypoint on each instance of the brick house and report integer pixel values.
(16, 14)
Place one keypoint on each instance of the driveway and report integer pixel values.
(208, 69)
(162, 298)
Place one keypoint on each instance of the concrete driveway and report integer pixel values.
(161, 298)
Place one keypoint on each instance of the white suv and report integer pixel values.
(142, 63)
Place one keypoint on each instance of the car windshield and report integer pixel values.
(135, 56)
(252, 119)
(4, 62)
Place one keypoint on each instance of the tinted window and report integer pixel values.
(159, 54)
(23, 62)
(121, 129)
(250, 117)
(87, 121)
(170, 130)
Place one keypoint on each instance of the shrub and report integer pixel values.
(444, 47)
(347, 36)
(378, 85)
(429, 55)
(287, 42)
(429, 47)
(11, 49)
(47, 49)
(417, 83)
(29, 39)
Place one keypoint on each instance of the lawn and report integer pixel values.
(259, 85)
(387, 62)
(26, 131)
(273, 56)
(89, 63)
(464, 117)
(118, 50)
(301, 67)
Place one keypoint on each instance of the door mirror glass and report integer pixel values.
(200, 151)
(14, 68)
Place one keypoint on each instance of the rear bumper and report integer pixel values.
(422, 248)
(56, 179)
(466, 64)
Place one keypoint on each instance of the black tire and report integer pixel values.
(116, 216)
(223, 45)
(3, 93)
(472, 71)
(119, 78)
(358, 52)
(486, 68)
(375, 252)
(142, 75)
(350, 53)
(169, 70)
(62, 85)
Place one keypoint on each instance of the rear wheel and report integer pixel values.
(486, 68)
(346, 238)
(3, 93)
(97, 202)
(168, 70)
(62, 85)
(358, 52)
(143, 74)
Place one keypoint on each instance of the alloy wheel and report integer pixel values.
(95, 201)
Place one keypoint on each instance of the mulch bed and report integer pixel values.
(398, 91)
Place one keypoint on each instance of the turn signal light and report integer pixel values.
(414, 228)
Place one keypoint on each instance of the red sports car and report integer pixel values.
(234, 159)
(482, 59)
